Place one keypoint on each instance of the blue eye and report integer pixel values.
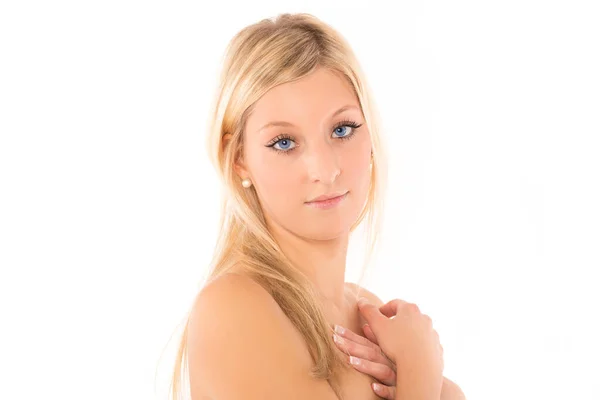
(284, 144)
(337, 130)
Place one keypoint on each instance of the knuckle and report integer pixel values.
(413, 307)
(372, 353)
(350, 346)
(389, 374)
(399, 302)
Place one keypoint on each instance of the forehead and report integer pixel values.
(311, 98)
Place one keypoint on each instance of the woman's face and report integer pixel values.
(314, 153)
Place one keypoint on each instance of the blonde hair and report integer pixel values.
(258, 58)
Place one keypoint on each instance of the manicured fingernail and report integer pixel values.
(377, 387)
(354, 360)
(339, 329)
(338, 339)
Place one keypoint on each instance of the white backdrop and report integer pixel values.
(108, 203)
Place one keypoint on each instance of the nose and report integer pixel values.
(323, 164)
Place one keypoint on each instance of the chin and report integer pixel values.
(326, 228)
(316, 224)
(326, 235)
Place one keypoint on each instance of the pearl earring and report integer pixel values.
(246, 183)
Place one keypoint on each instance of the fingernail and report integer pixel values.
(362, 300)
(377, 387)
(354, 360)
(339, 329)
(338, 339)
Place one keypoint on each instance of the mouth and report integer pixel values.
(328, 203)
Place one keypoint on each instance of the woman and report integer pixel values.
(294, 138)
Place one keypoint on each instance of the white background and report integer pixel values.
(109, 207)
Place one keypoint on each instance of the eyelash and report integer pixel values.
(285, 136)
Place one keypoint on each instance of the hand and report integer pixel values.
(370, 358)
(407, 337)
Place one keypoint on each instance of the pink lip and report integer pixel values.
(327, 197)
(329, 203)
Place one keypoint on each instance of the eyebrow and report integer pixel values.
(289, 124)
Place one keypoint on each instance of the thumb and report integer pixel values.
(371, 314)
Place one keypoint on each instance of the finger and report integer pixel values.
(390, 309)
(386, 392)
(371, 313)
(348, 334)
(369, 334)
(381, 372)
(363, 352)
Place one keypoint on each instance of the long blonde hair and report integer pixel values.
(258, 58)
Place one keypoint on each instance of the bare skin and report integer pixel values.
(320, 156)
(318, 152)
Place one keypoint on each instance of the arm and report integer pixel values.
(450, 390)
(242, 346)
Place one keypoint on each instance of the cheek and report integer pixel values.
(359, 179)
(278, 180)
(357, 164)
(276, 185)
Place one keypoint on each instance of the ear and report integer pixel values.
(238, 164)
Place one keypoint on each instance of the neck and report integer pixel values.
(322, 261)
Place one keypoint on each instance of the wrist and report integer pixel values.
(414, 385)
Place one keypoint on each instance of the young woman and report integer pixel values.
(295, 140)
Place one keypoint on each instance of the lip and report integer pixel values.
(328, 203)
(329, 196)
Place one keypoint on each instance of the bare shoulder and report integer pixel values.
(451, 391)
(242, 345)
(359, 291)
